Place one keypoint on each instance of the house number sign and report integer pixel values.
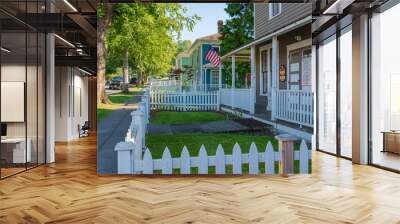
(282, 73)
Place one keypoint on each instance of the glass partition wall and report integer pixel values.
(385, 89)
(22, 77)
(327, 95)
(334, 127)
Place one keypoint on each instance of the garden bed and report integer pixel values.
(175, 117)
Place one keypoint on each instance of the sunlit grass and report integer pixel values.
(117, 101)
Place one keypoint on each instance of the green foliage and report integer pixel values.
(242, 68)
(100, 9)
(237, 30)
(171, 117)
(183, 45)
(148, 32)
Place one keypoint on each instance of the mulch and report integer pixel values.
(251, 123)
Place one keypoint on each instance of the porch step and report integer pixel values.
(260, 108)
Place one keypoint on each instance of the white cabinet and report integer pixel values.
(20, 155)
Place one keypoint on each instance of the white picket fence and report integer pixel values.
(295, 106)
(165, 82)
(184, 163)
(136, 132)
(184, 101)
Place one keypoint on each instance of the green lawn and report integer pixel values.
(102, 113)
(121, 98)
(193, 141)
(117, 101)
(172, 117)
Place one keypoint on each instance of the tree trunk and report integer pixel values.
(102, 26)
(125, 71)
(140, 78)
(144, 78)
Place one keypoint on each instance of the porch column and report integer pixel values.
(360, 90)
(233, 81)
(181, 82)
(252, 79)
(275, 69)
(314, 90)
(220, 75)
(201, 77)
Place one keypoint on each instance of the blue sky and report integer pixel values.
(210, 13)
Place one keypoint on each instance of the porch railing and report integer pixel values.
(236, 98)
(165, 82)
(296, 106)
(184, 101)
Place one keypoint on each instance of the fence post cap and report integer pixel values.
(125, 146)
(286, 138)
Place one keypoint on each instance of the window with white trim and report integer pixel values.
(214, 77)
(274, 9)
(264, 70)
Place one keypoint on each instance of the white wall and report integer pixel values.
(71, 102)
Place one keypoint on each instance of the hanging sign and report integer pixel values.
(282, 73)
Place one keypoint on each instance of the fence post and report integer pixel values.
(125, 157)
(148, 104)
(142, 108)
(218, 99)
(138, 119)
(274, 104)
(184, 101)
(286, 145)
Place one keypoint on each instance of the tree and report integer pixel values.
(183, 45)
(143, 36)
(238, 30)
(104, 15)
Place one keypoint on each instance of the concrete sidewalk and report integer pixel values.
(110, 131)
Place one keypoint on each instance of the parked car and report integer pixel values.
(107, 85)
(114, 84)
(118, 79)
(133, 81)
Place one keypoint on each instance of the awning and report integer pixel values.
(241, 50)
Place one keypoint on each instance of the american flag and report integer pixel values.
(212, 57)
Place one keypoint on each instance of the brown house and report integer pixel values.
(280, 58)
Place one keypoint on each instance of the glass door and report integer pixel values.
(385, 89)
(22, 92)
(345, 49)
(14, 144)
(327, 93)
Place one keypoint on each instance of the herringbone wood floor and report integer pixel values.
(70, 191)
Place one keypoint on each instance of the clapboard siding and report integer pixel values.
(291, 12)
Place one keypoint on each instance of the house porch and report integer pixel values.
(295, 129)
